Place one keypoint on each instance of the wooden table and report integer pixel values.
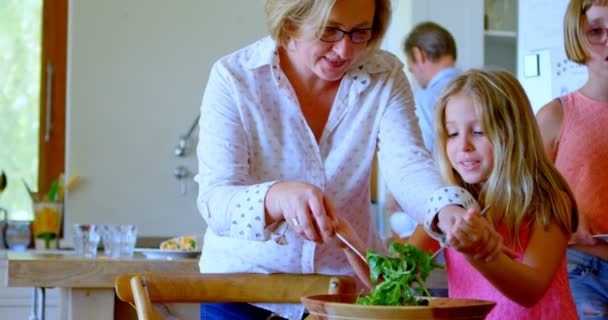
(87, 285)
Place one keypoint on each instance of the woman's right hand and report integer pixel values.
(305, 208)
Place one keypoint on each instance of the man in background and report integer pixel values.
(431, 55)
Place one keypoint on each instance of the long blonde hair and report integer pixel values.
(524, 185)
(285, 18)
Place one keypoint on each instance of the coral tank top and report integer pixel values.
(464, 281)
(582, 156)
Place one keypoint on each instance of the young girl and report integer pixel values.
(487, 141)
(574, 134)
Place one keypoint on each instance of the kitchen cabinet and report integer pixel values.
(500, 35)
(16, 303)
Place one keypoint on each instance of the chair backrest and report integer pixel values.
(142, 290)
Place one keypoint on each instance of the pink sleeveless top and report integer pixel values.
(464, 281)
(582, 156)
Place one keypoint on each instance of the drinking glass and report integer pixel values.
(110, 237)
(128, 237)
(18, 235)
(86, 239)
(119, 240)
(47, 223)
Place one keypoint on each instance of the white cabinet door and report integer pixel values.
(16, 303)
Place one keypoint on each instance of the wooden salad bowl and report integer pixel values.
(339, 306)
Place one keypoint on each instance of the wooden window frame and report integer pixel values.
(51, 143)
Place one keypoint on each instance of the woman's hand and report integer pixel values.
(305, 208)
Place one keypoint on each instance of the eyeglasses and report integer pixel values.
(596, 35)
(330, 34)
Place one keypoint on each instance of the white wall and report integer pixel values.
(137, 70)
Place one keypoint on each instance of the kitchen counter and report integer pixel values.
(87, 285)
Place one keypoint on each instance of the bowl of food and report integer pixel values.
(398, 292)
(336, 306)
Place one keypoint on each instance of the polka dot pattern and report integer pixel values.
(248, 215)
(444, 197)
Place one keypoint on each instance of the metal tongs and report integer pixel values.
(350, 246)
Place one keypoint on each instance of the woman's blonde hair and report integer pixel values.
(575, 43)
(286, 18)
(524, 185)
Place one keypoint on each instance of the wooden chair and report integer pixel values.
(142, 290)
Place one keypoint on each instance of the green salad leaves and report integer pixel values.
(403, 273)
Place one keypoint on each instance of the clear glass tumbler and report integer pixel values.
(119, 240)
(18, 235)
(86, 239)
(110, 236)
(128, 237)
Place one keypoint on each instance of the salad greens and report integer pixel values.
(403, 273)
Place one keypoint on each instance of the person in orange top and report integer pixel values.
(574, 135)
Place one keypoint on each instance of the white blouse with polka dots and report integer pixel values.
(253, 133)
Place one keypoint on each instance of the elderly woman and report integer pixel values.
(288, 130)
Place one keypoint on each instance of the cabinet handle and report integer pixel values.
(50, 71)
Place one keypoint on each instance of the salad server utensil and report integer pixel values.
(350, 246)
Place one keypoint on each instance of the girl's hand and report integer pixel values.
(583, 234)
(473, 235)
(305, 208)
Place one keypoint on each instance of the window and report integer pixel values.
(33, 35)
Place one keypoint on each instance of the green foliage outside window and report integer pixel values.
(20, 40)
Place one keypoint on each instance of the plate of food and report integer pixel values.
(182, 247)
(601, 237)
(398, 293)
(152, 253)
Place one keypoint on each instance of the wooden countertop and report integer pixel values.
(65, 270)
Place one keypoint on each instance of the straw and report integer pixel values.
(33, 195)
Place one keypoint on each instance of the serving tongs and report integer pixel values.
(350, 246)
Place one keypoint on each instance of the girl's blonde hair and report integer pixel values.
(575, 43)
(286, 19)
(524, 185)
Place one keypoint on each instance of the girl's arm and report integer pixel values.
(550, 118)
(526, 282)
(422, 240)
